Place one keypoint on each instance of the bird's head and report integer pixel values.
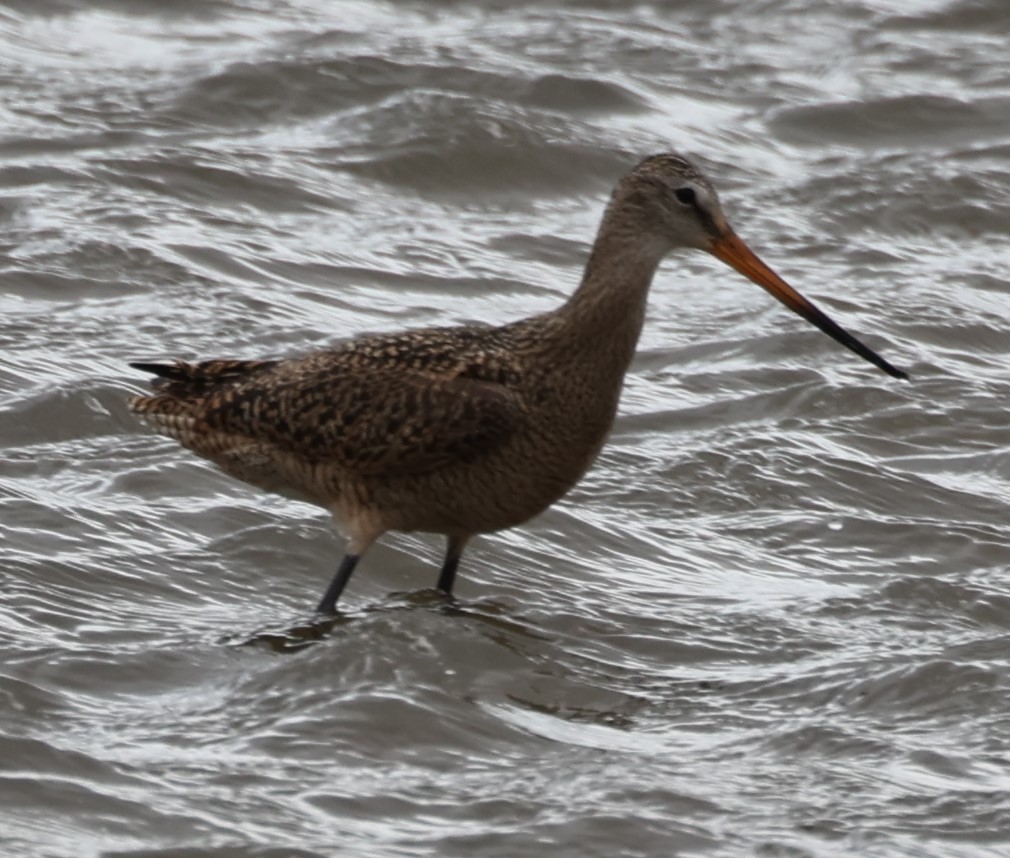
(669, 201)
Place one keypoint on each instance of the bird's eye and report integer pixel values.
(686, 196)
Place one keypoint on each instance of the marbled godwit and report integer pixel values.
(460, 430)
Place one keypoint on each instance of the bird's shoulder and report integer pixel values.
(471, 352)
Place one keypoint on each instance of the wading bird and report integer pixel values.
(460, 430)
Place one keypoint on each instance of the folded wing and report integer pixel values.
(336, 409)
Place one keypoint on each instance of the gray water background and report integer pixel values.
(774, 618)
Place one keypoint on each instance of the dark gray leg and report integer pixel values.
(452, 555)
(329, 603)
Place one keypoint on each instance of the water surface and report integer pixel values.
(773, 620)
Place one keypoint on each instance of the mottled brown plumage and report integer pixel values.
(459, 430)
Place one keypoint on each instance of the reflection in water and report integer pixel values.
(489, 617)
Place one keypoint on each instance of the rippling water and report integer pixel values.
(773, 620)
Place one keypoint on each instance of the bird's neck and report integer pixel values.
(603, 319)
